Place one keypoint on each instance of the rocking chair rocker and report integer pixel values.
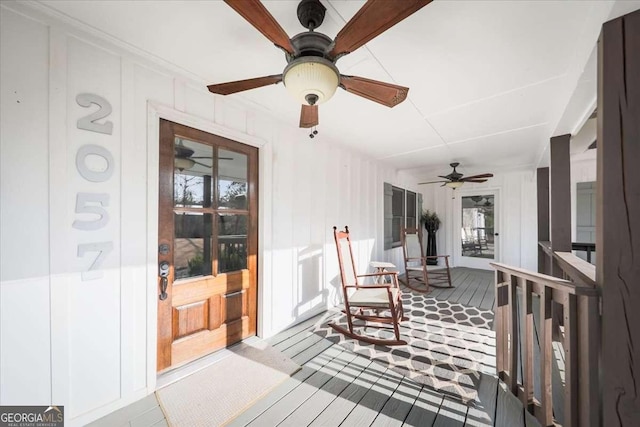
(369, 302)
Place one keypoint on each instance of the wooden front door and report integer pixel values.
(207, 243)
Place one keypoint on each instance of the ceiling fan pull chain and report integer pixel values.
(313, 133)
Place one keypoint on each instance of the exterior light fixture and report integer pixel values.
(311, 80)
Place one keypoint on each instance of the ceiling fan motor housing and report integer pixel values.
(311, 14)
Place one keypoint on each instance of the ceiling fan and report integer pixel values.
(311, 75)
(184, 158)
(455, 179)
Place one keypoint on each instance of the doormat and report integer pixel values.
(448, 345)
(215, 395)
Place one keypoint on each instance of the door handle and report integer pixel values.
(164, 279)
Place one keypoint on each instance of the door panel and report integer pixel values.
(208, 234)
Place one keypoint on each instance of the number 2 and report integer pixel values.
(90, 122)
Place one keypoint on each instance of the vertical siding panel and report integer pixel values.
(25, 374)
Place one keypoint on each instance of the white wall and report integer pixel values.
(517, 210)
(90, 344)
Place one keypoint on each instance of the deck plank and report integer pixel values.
(509, 410)
(325, 395)
(293, 330)
(452, 413)
(351, 396)
(289, 403)
(282, 390)
(484, 413)
(374, 400)
(425, 408)
(394, 412)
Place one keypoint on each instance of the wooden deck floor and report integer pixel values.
(338, 387)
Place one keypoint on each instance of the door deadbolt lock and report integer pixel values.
(164, 279)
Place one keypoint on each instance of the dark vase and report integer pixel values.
(431, 247)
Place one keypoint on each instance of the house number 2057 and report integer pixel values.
(93, 204)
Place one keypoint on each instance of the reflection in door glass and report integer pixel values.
(478, 226)
(192, 244)
(232, 242)
(232, 180)
(193, 169)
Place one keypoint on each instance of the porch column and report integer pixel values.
(543, 218)
(560, 188)
(618, 217)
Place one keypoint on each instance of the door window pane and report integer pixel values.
(478, 226)
(232, 242)
(232, 180)
(192, 244)
(193, 170)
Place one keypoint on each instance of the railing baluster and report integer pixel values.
(546, 354)
(571, 362)
(527, 356)
(588, 339)
(513, 335)
(501, 336)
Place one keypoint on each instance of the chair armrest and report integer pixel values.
(384, 273)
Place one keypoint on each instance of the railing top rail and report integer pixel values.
(577, 269)
(546, 247)
(550, 281)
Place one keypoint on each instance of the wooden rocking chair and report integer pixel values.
(415, 264)
(376, 304)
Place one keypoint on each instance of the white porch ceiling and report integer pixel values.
(490, 81)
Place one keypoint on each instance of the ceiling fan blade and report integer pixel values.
(473, 180)
(431, 182)
(383, 93)
(201, 164)
(209, 157)
(309, 116)
(484, 175)
(375, 17)
(242, 85)
(257, 15)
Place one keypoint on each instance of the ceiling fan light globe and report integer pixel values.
(310, 77)
(454, 184)
(182, 163)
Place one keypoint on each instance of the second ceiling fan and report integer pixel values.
(311, 74)
(455, 179)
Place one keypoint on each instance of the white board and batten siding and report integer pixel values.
(82, 336)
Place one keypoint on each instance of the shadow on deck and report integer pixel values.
(446, 377)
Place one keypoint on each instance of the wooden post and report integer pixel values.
(543, 217)
(617, 215)
(560, 188)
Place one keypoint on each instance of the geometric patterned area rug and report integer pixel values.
(448, 345)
